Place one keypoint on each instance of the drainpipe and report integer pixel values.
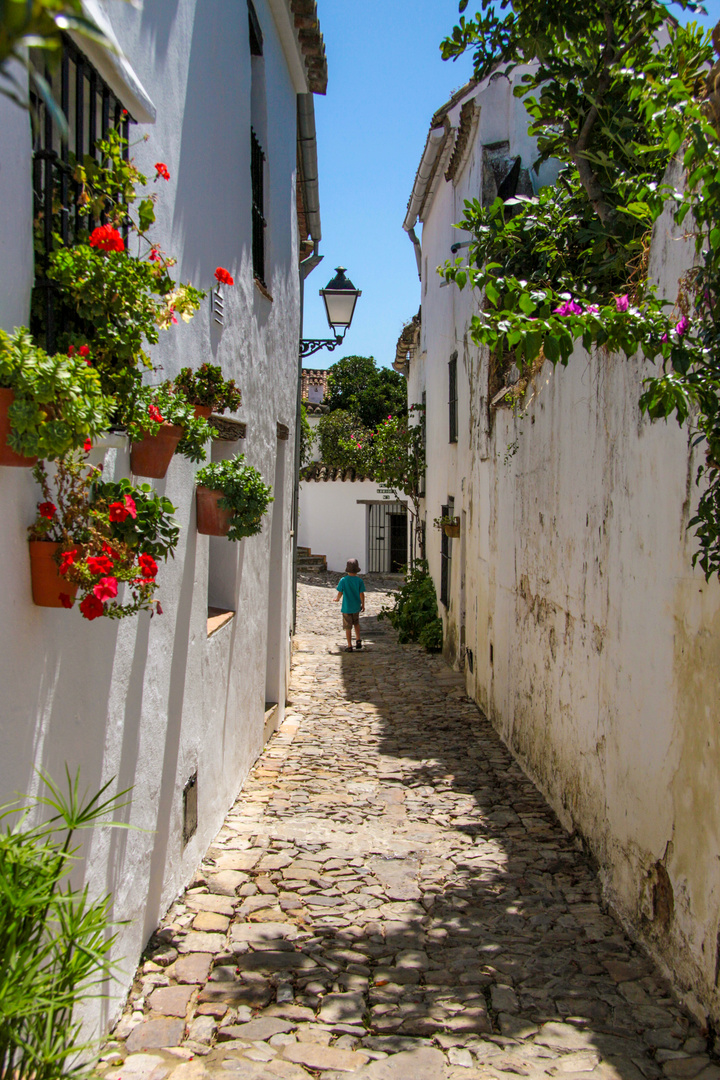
(307, 145)
(426, 171)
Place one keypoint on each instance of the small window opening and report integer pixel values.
(190, 808)
(452, 399)
(446, 557)
(257, 168)
(256, 37)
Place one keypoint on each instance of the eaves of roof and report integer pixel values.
(318, 473)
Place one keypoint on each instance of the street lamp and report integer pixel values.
(340, 297)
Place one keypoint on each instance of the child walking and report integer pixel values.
(351, 589)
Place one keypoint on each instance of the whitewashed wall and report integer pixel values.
(333, 519)
(149, 702)
(595, 646)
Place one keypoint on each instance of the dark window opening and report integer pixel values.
(423, 428)
(453, 399)
(91, 110)
(446, 557)
(256, 37)
(257, 168)
(190, 808)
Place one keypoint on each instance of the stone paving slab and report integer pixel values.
(390, 898)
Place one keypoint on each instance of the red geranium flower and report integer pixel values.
(99, 564)
(71, 350)
(106, 238)
(65, 600)
(130, 506)
(87, 446)
(84, 350)
(224, 276)
(67, 559)
(47, 510)
(117, 511)
(148, 566)
(162, 170)
(106, 588)
(155, 414)
(91, 607)
(154, 254)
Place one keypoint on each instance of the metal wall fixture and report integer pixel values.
(218, 306)
(340, 297)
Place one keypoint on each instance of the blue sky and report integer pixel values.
(386, 79)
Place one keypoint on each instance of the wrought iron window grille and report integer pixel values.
(257, 170)
(452, 400)
(91, 110)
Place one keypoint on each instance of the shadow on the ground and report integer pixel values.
(508, 911)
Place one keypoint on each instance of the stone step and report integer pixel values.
(303, 551)
(312, 562)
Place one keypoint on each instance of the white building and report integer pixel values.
(178, 708)
(569, 598)
(344, 515)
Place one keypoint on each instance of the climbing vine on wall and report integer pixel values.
(617, 93)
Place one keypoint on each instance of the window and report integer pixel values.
(256, 38)
(423, 425)
(91, 110)
(446, 557)
(453, 399)
(257, 163)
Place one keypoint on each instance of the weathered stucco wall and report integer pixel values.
(583, 629)
(150, 702)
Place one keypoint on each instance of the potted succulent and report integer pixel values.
(162, 422)
(90, 537)
(207, 390)
(449, 525)
(231, 499)
(48, 404)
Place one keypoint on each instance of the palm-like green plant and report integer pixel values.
(54, 939)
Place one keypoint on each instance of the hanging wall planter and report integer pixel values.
(212, 519)
(152, 455)
(205, 411)
(8, 456)
(452, 529)
(241, 488)
(47, 583)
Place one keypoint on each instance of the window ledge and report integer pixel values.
(217, 618)
(263, 289)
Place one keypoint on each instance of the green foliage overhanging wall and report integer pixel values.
(616, 93)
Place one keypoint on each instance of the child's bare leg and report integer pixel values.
(348, 635)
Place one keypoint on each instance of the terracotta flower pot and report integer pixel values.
(153, 454)
(212, 520)
(47, 582)
(203, 410)
(8, 456)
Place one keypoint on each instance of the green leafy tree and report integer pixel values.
(307, 437)
(356, 385)
(616, 106)
(397, 460)
(344, 442)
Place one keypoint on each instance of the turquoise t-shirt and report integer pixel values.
(350, 587)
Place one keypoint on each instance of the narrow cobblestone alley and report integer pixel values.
(391, 897)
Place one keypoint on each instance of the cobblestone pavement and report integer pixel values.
(391, 898)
